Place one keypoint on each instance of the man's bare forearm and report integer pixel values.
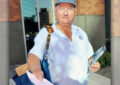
(33, 63)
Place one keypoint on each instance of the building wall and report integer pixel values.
(94, 7)
(94, 26)
(4, 59)
(4, 42)
(90, 16)
(16, 37)
(14, 10)
(115, 38)
(16, 43)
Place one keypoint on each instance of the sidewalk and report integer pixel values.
(96, 79)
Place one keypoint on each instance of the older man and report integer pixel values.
(69, 49)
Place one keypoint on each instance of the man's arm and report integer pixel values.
(34, 62)
(34, 66)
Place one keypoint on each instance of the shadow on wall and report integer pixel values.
(16, 43)
(96, 30)
(94, 26)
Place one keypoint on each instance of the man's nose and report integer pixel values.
(66, 11)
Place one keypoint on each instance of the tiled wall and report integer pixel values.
(14, 10)
(94, 7)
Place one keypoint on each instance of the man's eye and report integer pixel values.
(61, 8)
(69, 8)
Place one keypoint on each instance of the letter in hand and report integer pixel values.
(39, 74)
(35, 80)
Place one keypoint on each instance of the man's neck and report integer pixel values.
(63, 27)
(66, 29)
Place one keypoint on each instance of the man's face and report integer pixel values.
(65, 13)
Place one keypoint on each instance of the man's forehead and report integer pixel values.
(65, 5)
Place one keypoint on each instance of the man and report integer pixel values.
(69, 49)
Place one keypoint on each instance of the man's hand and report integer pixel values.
(39, 74)
(35, 67)
(94, 67)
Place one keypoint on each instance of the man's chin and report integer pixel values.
(66, 23)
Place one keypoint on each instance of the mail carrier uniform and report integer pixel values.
(68, 60)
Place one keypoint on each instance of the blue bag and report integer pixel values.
(22, 80)
(45, 69)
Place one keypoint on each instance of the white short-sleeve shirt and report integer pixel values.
(68, 60)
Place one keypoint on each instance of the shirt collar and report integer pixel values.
(58, 32)
(54, 26)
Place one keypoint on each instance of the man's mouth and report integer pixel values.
(66, 17)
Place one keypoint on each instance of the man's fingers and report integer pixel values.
(95, 67)
(90, 59)
(39, 75)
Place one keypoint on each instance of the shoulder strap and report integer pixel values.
(50, 30)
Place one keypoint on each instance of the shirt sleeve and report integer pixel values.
(40, 44)
(90, 51)
(89, 47)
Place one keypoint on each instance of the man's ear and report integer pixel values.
(76, 11)
(55, 12)
(55, 9)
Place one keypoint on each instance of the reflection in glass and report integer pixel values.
(29, 14)
(35, 14)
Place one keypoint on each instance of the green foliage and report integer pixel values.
(105, 59)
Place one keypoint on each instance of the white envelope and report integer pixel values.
(35, 81)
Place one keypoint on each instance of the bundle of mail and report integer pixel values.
(35, 81)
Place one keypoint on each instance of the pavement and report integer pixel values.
(96, 79)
